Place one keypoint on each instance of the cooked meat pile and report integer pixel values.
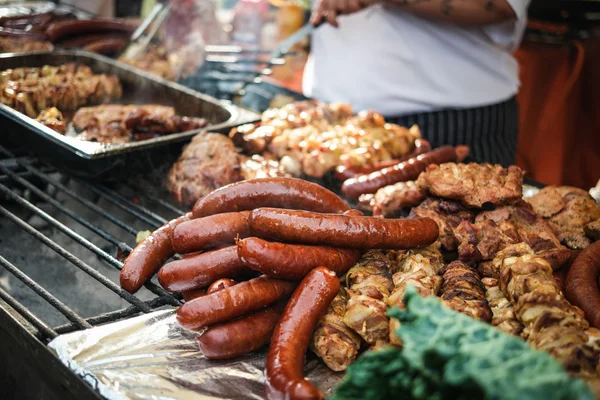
(463, 291)
(389, 200)
(115, 123)
(550, 322)
(474, 185)
(448, 214)
(572, 213)
(313, 138)
(154, 61)
(23, 45)
(66, 87)
(53, 119)
(211, 161)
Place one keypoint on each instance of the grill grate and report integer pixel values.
(24, 175)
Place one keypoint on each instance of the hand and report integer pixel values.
(328, 10)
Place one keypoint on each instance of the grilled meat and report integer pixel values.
(550, 322)
(503, 313)
(318, 137)
(66, 87)
(419, 268)
(369, 285)
(474, 185)
(115, 123)
(260, 167)
(495, 230)
(569, 211)
(335, 343)
(448, 215)
(463, 291)
(207, 163)
(53, 119)
(389, 200)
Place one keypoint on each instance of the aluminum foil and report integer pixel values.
(152, 357)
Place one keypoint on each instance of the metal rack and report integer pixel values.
(18, 174)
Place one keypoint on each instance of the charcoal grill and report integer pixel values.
(90, 227)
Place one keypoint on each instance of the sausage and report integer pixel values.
(106, 46)
(285, 359)
(201, 270)
(242, 336)
(192, 294)
(293, 261)
(81, 41)
(59, 30)
(582, 287)
(149, 255)
(342, 230)
(220, 284)
(17, 33)
(212, 231)
(343, 173)
(269, 192)
(189, 295)
(405, 171)
(233, 302)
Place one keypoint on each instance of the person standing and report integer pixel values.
(445, 65)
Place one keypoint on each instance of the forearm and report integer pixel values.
(464, 12)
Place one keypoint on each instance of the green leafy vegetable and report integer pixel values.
(447, 355)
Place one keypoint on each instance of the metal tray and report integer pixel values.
(110, 160)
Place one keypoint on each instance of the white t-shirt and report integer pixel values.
(391, 61)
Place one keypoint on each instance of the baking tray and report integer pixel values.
(99, 160)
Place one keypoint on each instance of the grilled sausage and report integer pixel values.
(233, 302)
(201, 270)
(220, 285)
(582, 287)
(189, 295)
(106, 46)
(212, 231)
(81, 41)
(343, 173)
(242, 336)
(405, 171)
(269, 192)
(17, 33)
(62, 29)
(293, 261)
(342, 230)
(149, 255)
(285, 360)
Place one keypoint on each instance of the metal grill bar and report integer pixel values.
(51, 299)
(111, 193)
(67, 255)
(121, 204)
(156, 199)
(87, 244)
(113, 315)
(28, 315)
(74, 195)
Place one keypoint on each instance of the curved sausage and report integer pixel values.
(285, 360)
(343, 230)
(220, 285)
(201, 270)
(106, 46)
(76, 27)
(291, 193)
(405, 171)
(242, 336)
(212, 231)
(189, 295)
(293, 261)
(148, 256)
(233, 302)
(343, 173)
(81, 41)
(582, 287)
(17, 33)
